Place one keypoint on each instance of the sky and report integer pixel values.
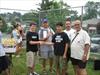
(34, 4)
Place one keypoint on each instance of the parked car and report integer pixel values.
(95, 47)
(95, 40)
(95, 43)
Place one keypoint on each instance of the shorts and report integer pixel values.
(4, 63)
(79, 63)
(60, 62)
(46, 51)
(31, 58)
(47, 54)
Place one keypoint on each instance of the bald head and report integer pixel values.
(77, 22)
(77, 25)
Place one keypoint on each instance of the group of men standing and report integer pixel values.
(59, 47)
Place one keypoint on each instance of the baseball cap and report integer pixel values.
(33, 24)
(45, 20)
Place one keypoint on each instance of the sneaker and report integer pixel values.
(17, 56)
(35, 73)
(31, 74)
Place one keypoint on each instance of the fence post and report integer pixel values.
(81, 15)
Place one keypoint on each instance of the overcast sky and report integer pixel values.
(33, 4)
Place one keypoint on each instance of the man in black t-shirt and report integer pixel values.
(60, 40)
(32, 41)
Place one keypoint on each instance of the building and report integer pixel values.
(91, 25)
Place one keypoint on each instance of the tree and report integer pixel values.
(92, 10)
(3, 25)
(31, 16)
(54, 11)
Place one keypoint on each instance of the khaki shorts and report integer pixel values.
(31, 58)
(60, 62)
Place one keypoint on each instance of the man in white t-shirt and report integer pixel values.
(80, 44)
(4, 62)
(68, 31)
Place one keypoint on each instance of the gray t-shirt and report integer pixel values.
(43, 34)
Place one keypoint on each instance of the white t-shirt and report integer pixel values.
(2, 52)
(77, 46)
(69, 32)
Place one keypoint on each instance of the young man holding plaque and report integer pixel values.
(46, 50)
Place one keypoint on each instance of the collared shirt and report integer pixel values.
(69, 32)
(2, 52)
(77, 46)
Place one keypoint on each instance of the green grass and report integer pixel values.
(19, 66)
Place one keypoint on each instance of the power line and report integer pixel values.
(14, 9)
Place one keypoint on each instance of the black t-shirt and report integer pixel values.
(60, 40)
(31, 36)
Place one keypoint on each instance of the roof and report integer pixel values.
(91, 21)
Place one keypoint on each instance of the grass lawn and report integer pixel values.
(19, 67)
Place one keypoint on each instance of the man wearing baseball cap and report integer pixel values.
(46, 51)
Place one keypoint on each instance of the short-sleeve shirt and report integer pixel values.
(77, 46)
(69, 32)
(2, 52)
(60, 40)
(31, 36)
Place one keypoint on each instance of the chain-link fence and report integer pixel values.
(90, 19)
(89, 16)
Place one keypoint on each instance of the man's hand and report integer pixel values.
(84, 58)
(64, 56)
(41, 42)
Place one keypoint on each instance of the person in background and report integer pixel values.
(46, 51)
(4, 61)
(32, 42)
(17, 34)
(68, 30)
(61, 42)
(80, 44)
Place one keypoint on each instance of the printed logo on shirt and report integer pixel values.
(34, 37)
(58, 39)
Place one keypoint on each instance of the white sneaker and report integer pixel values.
(36, 73)
(17, 56)
(30, 74)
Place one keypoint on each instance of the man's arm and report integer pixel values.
(86, 50)
(65, 51)
(34, 42)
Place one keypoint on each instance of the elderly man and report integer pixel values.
(80, 44)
